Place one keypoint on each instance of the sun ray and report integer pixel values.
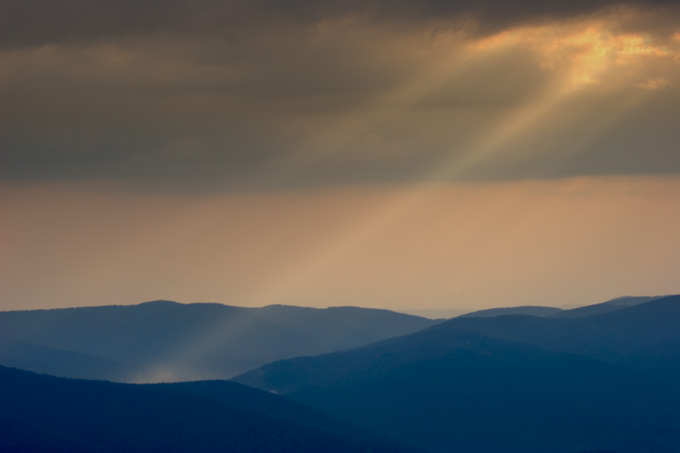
(589, 52)
(584, 57)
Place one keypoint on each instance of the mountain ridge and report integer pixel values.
(507, 383)
(46, 413)
(164, 340)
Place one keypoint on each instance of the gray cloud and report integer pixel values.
(38, 22)
(250, 94)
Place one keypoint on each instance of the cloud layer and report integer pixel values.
(215, 94)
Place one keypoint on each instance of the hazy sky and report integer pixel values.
(396, 154)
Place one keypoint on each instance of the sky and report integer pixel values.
(388, 154)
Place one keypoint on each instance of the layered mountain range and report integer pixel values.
(523, 379)
(40, 413)
(507, 383)
(170, 342)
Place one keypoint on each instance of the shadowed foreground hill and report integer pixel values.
(166, 341)
(40, 413)
(507, 383)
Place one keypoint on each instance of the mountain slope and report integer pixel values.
(528, 310)
(45, 413)
(579, 312)
(510, 383)
(604, 307)
(608, 336)
(167, 341)
(41, 359)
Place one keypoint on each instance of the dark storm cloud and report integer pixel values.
(37, 22)
(268, 94)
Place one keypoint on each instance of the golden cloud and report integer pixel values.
(590, 52)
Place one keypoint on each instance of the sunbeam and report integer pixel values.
(591, 51)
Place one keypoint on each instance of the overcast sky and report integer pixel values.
(397, 154)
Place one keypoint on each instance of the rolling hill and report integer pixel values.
(523, 310)
(41, 413)
(507, 383)
(604, 307)
(554, 312)
(165, 341)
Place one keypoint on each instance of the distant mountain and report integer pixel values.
(166, 341)
(530, 310)
(507, 383)
(21, 354)
(604, 307)
(578, 312)
(609, 336)
(442, 313)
